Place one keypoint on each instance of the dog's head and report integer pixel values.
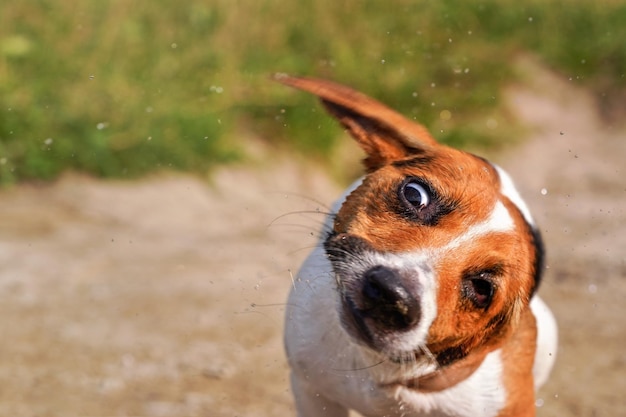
(434, 251)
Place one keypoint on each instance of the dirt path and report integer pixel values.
(164, 297)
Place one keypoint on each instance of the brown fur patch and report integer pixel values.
(518, 355)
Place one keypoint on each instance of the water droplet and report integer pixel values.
(544, 191)
(48, 141)
(91, 77)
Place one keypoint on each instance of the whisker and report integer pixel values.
(303, 248)
(255, 305)
(360, 369)
(291, 213)
(293, 281)
(254, 312)
(303, 197)
(300, 226)
(430, 355)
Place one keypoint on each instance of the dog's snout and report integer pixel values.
(387, 301)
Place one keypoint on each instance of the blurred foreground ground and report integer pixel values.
(164, 297)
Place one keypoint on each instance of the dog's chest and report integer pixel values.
(482, 394)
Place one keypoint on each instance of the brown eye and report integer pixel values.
(479, 290)
(482, 292)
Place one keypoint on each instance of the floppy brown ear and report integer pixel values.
(384, 134)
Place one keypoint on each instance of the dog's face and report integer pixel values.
(434, 252)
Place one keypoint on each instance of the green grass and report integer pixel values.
(123, 88)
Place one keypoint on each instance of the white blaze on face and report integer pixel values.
(508, 189)
(498, 221)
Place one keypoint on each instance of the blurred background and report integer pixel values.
(120, 89)
(159, 190)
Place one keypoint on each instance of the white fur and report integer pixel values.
(481, 394)
(507, 188)
(498, 221)
(547, 341)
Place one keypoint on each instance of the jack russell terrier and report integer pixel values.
(421, 298)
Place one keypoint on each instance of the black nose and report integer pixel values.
(387, 301)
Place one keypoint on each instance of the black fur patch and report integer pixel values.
(415, 161)
(450, 355)
(539, 261)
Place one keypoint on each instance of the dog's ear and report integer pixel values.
(384, 134)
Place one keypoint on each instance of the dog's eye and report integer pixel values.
(479, 290)
(482, 292)
(416, 195)
(418, 201)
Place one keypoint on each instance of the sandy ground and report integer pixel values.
(165, 296)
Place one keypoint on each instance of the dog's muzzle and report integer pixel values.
(386, 301)
(377, 301)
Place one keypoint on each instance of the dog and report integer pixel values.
(420, 299)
